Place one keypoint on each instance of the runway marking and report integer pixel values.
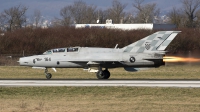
(80, 83)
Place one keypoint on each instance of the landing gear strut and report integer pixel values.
(105, 74)
(48, 75)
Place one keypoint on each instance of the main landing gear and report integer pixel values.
(48, 75)
(103, 74)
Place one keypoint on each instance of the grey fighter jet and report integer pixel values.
(140, 55)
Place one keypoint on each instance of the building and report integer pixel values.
(110, 25)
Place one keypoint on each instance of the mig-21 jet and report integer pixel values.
(140, 55)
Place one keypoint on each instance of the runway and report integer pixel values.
(81, 83)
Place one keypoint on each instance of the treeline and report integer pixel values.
(79, 12)
(36, 41)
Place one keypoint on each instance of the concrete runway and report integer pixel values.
(81, 83)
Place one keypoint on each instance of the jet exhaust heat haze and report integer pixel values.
(179, 59)
(141, 55)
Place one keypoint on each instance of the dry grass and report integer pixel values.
(164, 72)
(84, 99)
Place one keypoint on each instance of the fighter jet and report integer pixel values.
(140, 55)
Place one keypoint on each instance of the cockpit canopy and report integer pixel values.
(59, 50)
(62, 50)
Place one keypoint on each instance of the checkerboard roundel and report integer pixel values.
(147, 46)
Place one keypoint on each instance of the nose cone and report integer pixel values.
(23, 61)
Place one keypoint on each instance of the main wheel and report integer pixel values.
(100, 75)
(48, 75)
(103, 74)
(107, 74)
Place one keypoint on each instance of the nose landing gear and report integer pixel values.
(48, 75)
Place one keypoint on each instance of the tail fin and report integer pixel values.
(155, 42)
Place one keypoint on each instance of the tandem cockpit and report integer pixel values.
(62, 50)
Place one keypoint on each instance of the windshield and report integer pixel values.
(48, 52)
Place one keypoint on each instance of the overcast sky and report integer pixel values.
(52, 7)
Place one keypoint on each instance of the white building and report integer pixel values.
(147, 26)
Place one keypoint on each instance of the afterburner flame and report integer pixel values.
(179, 59)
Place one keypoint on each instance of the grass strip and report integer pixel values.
(99, 99)
(164, 72)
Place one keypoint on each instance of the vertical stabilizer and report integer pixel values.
(155, 42)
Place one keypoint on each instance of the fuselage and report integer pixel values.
(80, 57)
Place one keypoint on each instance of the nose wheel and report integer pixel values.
(48, 75)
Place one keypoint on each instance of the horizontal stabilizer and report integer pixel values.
(133, 69)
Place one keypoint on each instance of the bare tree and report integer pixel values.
(37, 18)
(198, 18)
(90, 14)
(79, 13)
(145, 12)
(2, 22)
(14, 17)
(190, 8)
(176, 17)
(102, 16)
(129, 18)
(116, 12)
(66, 15)
(56, 22)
